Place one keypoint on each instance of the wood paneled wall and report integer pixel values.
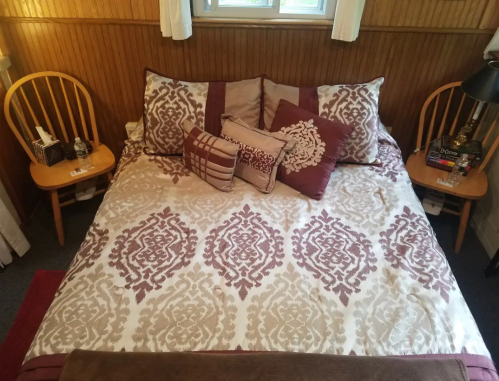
(417, 45)
(473, 14)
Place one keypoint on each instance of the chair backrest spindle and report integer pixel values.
(489, 132)
(32, 113)
(70, 112)
(480, 125)
(59, 117)
(444, 119)
(82, 115)
(42, 106)
(454, 124)
(22, 118)
(432, 124)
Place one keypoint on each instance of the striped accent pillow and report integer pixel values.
(212, 159)
(260, 152)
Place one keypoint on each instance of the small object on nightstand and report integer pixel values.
(82, 154)
(433, 202)
(442, 156)
(47, 149)
(69, 152)
(458, 171)
(48, 154)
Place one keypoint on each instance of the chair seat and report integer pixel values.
(472, 187)
(58, 175)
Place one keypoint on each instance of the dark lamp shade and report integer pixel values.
(484, 84)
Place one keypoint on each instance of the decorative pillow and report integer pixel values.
(138, 131)
(354, 105)
(213, 159)
(260, 152)
(168, 102)
(308, 166)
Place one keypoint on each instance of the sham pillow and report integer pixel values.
(138, 131)
(212, 159)
(355, 105)
(260, 152)
(319, 142)
(169, 102)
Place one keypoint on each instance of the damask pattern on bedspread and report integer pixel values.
(172, 264)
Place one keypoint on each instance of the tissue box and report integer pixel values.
(48, 154)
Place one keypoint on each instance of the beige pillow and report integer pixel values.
(354, 105)
(213, 159)
(260, 152)
(168, 102)
(138, 132)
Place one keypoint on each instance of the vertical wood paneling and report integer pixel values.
(472, 14)
(490, 19)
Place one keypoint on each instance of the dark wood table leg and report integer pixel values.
(492, 267)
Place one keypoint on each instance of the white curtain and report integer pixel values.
(175, 19)
(346, 23)
(493, 46)
(11, 237)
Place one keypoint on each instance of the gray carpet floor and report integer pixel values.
(481, 294)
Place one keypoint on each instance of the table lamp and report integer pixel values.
(484, 87)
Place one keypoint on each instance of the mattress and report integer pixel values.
(172, 264)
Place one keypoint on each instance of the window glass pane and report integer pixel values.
(314, 4)
(242, 3)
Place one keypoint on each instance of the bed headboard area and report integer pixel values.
(416, 45)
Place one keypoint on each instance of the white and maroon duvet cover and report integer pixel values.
(172, 264)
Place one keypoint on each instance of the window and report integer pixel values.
(266, 9)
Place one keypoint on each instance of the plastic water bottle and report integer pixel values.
(458, 171)
(82, 154)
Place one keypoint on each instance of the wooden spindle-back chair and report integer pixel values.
(56, 101)
(444, 113)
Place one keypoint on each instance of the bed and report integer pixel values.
(172, 264)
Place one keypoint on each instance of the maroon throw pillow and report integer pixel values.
(319, 141)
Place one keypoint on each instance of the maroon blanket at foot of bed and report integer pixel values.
(35, 304)
(49, 367)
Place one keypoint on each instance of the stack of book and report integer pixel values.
(443, 156)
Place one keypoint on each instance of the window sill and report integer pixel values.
(260, 23)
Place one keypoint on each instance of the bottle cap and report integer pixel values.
(77, 140)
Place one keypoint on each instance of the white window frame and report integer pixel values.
(256, 12)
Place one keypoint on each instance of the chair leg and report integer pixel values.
(463, 223)
(56, 207)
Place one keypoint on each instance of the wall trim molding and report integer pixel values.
(245, 24)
